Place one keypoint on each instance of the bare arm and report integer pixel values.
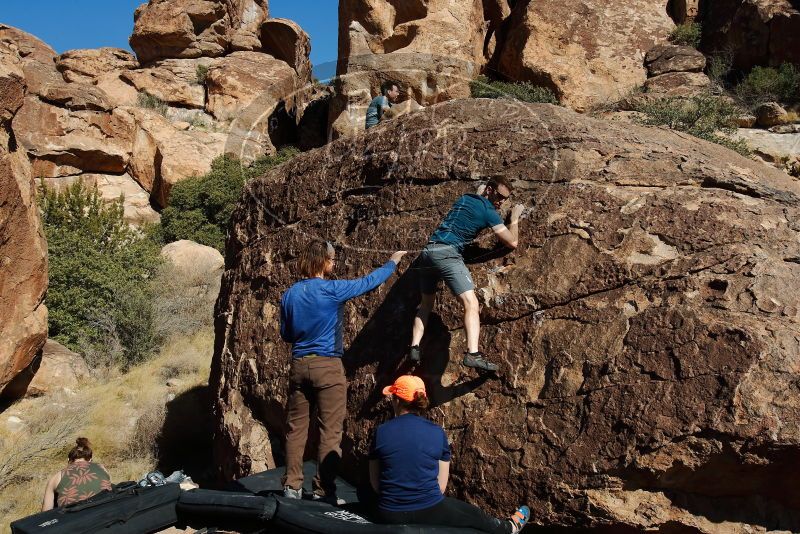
(444, 475)
(375, 474)
(509, 235)
(48, 503)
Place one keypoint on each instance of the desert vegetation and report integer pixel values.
(200, 208)
(483, 87)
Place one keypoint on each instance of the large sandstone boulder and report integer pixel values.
(589, 53)
(662, 59)
(174, 81)
(87, 65)
(646, 329)
(55, 137)
(166, 29)
(23, 262)
(755, 32)
(285, 40)
(433, 49)
(163, 155)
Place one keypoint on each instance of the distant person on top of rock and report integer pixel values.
(442, 259)
(409, 466)
(390, 92)
(81, 479)
(311, 320)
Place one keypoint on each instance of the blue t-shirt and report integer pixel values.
(311, 311)
(409, 448)
(375, 110)
(469, 215)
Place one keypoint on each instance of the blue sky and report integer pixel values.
(68, 24)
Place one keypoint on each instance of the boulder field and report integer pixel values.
(646, 328)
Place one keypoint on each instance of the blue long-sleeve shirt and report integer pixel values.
(312, 309)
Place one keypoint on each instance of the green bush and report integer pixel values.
(704, 116)
(148, 101)
(767, 84)
(202, 73)
(100, 296)
(524, 91)
(200, 208)
(688, 34)
(719, 68)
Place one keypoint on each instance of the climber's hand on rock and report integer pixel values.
(397, 256)
(516, 211)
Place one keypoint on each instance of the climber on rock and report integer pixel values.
(442, 259)
(390, 92)
(311, 320)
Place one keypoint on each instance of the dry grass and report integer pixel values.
(121, 414)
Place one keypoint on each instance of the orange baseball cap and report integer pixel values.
(405, 387)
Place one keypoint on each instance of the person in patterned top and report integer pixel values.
(81, 479)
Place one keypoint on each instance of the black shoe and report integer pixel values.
(477, 361)
(414, 354)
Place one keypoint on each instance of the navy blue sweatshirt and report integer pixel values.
(311, 311)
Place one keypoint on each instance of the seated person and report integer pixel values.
(410, 464)
(390, 92)
(81, 479)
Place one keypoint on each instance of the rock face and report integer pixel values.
(662, 59)
(87, 65)
(287, 41)
(757, 32)
(646, 329)
(196, 28)
(432, 49)
(23, 258)
(587, 52)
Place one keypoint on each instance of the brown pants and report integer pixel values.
(320, 381)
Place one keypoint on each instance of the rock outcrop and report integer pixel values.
(588, 53)
(432, 49)
(755, 32)
(646, 329)
(196, 28)
(23, 261)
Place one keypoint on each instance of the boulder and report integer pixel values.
(174, 81)
(23, 46)
(432, 49)
(285, 40)
(59, 368)
(165, 29)
(756, 32)
(646, 328)
(164, 155)
(23, 259)
(188, 257)
(666, 58)
(587, 52)
(678, 84)
(248, 82)
(12, 94)
(776, 148)
(87, 140)
(87, 65)
(771, 114)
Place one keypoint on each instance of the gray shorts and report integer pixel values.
(443, 262)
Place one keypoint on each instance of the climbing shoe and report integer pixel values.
(477, 361)
(291, 493)
(414, 354)
(520, 518)
(328, 499)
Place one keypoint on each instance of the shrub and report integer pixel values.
(523, 91)
(148, 101)
(202, 73)
(200, 208)
(719, 68)
(704, 116)
(687, 34)
(100, 298)
(767, 84)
